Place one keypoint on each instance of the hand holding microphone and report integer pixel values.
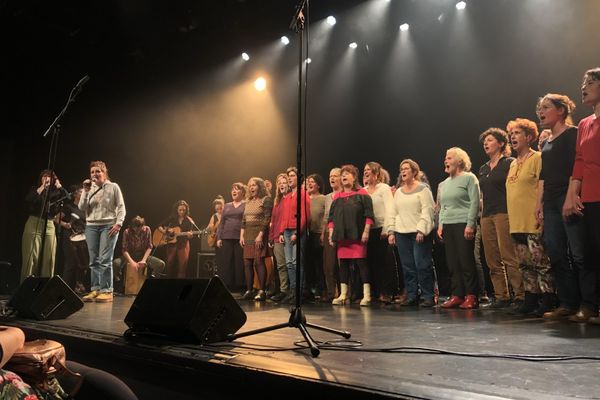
(87, 185)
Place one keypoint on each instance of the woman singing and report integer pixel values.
(254, 235)
(48, 191)
(409, 227)
(459, 205)
(521, 197)
(104, 208)
(230, 259)
(350, 219)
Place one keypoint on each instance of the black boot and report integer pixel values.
(529, 305)
(548, 303)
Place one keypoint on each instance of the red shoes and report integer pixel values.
(453, 302)
(470, 302)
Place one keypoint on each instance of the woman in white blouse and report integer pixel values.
(384, 274)
(410, 222)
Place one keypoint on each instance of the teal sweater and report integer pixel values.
(459, 200)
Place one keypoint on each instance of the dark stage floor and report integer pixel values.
(381, 373)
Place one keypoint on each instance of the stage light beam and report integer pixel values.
(353, 45)
(404, 27)
(285, 40)
(245, 56)
(331, 20)
(260, 84)
(461, 5)
(308, 60)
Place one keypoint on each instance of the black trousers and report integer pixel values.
(230, 264)
(460, 258)
(590, 275)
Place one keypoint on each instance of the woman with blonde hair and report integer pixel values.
(383, 274)
(281, 188)
(459, 206)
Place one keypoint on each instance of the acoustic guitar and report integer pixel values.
(170, 236)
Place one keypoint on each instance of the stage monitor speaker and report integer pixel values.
(45, 299)
(185, 310)
(206, 265)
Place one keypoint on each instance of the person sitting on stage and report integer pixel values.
(49, 191)
(178, 253)
(137, 250)
(230, 259)
(72, 241)
(350, 220)
(254, 235)
(104, 208)
(96, 384)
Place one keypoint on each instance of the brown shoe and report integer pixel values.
(104, 297)
(583, 315)
(560, 313)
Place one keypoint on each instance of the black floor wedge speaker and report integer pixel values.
(45, 299)
(185, 310)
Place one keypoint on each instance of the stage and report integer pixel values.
(266, 365)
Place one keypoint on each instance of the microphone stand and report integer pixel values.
(297, 318)
(54, 130)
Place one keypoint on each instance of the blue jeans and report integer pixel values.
(417, 264)
(101, 248)
(559, 237)
(290, 256)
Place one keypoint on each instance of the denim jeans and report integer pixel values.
(101, 248)
(290, 256)
(417, 264)
(559, 237)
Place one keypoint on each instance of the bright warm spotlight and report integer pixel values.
(245, 56)
(260, 84)
(353, 45)
(404, 27)
(461, 5)
(331, 20)
(285, 40)
(308, 60)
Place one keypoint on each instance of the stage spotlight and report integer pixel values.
(353, 45)
(308, 60)
(285, 40)
(461, 5)
(245, 56)
(404, 27)
(331, 20)
(260, 84)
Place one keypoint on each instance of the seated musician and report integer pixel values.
(137, 250)
(177, 231)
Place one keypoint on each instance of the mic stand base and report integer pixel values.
(297, 320)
